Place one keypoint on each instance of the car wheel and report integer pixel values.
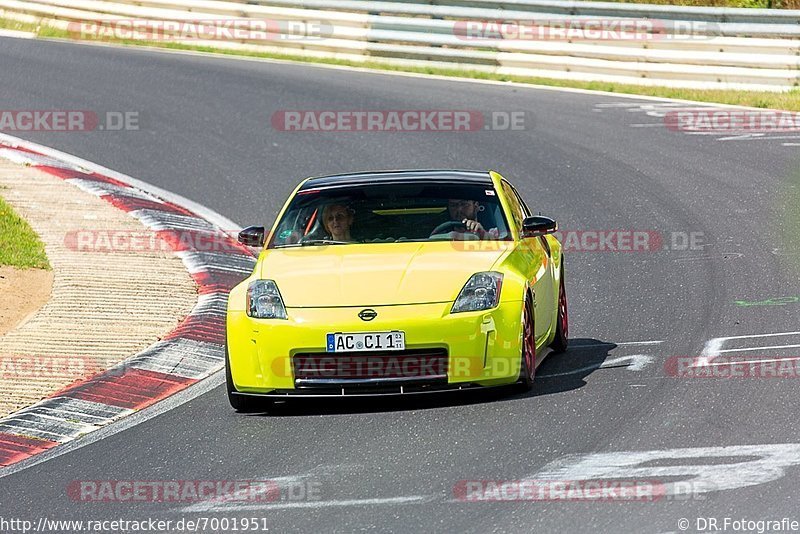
(561, 340)
(238, 402)
(527, 367)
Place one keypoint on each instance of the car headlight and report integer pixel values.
(264, 300)
(481, 292)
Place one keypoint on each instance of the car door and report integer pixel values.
(540, 272)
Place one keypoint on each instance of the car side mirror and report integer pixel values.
(252, 236)
(538, 226)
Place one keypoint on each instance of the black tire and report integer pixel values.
(238, 402)
(527, 366)
(561, 340)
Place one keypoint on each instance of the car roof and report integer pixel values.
(374, 177)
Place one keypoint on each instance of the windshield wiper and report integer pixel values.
(315, 242)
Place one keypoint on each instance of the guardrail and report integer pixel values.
(490, 8)
(664, 45)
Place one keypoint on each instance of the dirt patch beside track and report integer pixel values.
(24, 292)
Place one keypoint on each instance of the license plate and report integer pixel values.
(366, 341)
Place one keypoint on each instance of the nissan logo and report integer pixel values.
(367, 315)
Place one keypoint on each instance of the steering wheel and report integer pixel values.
(449, 226)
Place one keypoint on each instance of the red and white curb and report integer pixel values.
(192, 351)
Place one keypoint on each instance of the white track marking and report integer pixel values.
(640, 107)
(410, 499)
(227, 502)
(660, 110)
(758, 137)
(702, 133)
(770, 360)
(714, 346)
(28, 159)
(748, 465)
(710, 351)
(637, 363)
(767, 347)
(776, 334)
(284, 485)
(741, 137)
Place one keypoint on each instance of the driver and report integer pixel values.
(337, 220)
(466, 212)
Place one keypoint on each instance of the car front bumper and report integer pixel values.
(481, 349)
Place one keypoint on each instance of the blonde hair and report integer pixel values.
(327, 207)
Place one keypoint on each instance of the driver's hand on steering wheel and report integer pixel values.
(472, 226)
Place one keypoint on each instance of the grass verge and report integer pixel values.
(8, 24)
(789, 101)
(19, 244)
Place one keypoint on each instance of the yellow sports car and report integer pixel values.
(396, 282)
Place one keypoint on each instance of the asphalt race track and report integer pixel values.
(595, 163)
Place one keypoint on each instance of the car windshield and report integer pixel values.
(391, 213)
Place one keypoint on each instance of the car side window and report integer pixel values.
(525, 210)
(527, 213)
(517, 208)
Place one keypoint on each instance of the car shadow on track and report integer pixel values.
(558, 373)
(567, 371)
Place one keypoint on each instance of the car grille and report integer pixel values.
(367, 367)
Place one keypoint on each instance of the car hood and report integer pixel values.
(377, 274)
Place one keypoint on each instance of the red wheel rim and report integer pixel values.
(562, 310)
(529, 342)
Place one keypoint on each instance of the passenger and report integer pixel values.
(337, 220)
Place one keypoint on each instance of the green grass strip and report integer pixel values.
(19, 244)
